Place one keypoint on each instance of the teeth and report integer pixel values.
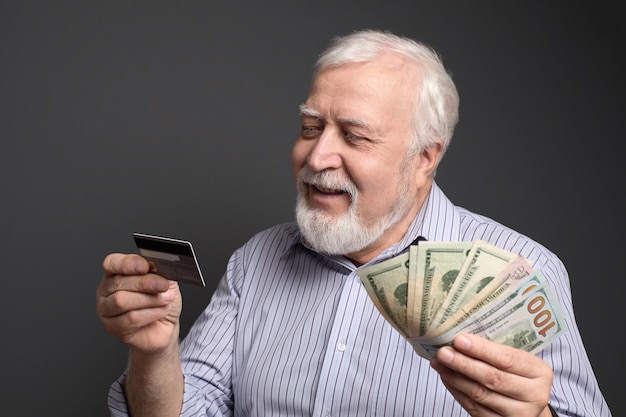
(328, 190)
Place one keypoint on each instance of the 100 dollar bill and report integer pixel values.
(437, 290)
(529, 318)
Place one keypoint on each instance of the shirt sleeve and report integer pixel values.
(117, 400)
(206, 355)
(575, 391)
(207, 351)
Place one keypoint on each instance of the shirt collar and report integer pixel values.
(437, 220)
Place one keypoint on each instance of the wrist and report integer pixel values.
(146, 358)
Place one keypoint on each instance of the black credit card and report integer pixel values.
(174, 259)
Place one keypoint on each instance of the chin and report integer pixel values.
(334, 235)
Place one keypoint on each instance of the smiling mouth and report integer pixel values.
(325, 190)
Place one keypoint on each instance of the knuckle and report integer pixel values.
(470, 405)
(125, 264)
(107, 262)
(112, 263)
(134, 318)
(116, 285)
(117, 299)
(478, 394)
(494, 379)
(507, 359)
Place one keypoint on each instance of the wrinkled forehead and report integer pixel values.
(375, 101)
(387, 84)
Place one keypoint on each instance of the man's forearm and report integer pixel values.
(154, 384)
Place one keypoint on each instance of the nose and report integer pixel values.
(326, 151)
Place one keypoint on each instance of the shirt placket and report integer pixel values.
(336, 368)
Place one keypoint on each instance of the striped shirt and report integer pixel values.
(290, 332)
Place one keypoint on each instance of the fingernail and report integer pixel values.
(462, 342)
(160, 285)
(445, 355)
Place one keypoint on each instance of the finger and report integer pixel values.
(131, 321)
(123, 272)
(143, 328)
(480, 371)
(491, 385)
(500, 356)
(139, 295)
(475, 397)
(473, 407)
(148, 283)
(125, 264)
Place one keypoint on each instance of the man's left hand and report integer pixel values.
(492, 379)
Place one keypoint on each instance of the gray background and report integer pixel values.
(177, 118)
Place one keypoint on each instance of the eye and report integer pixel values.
(310, 132)
(352, 138)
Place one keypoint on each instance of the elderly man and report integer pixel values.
(290, 330)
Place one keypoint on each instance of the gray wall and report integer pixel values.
(176, 118)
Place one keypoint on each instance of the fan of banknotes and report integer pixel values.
(437, 290)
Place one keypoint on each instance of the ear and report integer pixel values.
(429, 159)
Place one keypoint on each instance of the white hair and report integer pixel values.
(436, 100)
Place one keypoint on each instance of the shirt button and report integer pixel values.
(341, 347)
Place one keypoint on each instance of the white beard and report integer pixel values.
(346, 233)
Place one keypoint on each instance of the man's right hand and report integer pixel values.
(137, 306)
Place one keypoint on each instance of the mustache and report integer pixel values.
(327, 179)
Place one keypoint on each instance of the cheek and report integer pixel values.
(377, 183)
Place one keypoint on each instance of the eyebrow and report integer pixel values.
(307, 111)
(352, 121)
